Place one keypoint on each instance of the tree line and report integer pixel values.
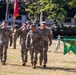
(53, 9)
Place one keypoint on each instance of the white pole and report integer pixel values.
(6, 16)
(57, 44)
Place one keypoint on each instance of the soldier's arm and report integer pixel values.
(12, 29)
(50, 35)
(18, 33)
(27, 43)
(10, 37)
(41, 40)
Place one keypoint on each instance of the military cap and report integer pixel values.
(33, 25)
(4, 22)
(16, 26)
(43, 22)
(27, 21)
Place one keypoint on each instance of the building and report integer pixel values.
(19, 20)
(23, 17)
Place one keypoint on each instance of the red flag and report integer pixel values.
(16, 13)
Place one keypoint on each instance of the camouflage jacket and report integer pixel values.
(34, 39)
(47, 34)
(5, 35)
(15, 33)
(22, 33)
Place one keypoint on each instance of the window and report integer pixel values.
(9, 16)
(19, 18)
(67, 20)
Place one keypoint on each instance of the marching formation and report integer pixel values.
(34, 40)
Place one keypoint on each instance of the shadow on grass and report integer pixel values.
(50, 68)
(14, 64)
(59, 69)
(19, 65)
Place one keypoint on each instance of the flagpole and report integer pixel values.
(13, 22)
(6, 16)
(57, 44)
(41, 17)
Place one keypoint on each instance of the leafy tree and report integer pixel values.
(54, 8)
(33, 9)
(72, 3)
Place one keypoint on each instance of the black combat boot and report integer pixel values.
(44, 66)
(34, 65)
(3, 63)
(24, 64)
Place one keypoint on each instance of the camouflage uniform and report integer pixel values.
(15, 36)
(22, 33)
(34, 41)
(1, 40)
(5, 36)
(47, 34)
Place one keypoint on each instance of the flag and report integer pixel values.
(69, 44)
(16, 13)
(41, 17)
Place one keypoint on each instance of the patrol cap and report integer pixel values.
(33, 25)
(27, 21)
(43, 22)
(16, 26)
(4, 22)
(24, 23)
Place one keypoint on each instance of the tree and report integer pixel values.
(33, 10)
(54, 8)
(72, 3)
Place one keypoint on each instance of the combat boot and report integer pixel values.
(3, 63)
(34, 65)
(44, 66)
(24, 64)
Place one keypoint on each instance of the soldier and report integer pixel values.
(5, 36)
(47, 34)
(34, 41)
(15, 36)
(22, 32)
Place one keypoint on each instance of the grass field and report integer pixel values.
(58, 64)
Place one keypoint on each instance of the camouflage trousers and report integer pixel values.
(14, 42)
(3, 51)
(45, 52)
(40, 57)
(34, 55)
(24, 54)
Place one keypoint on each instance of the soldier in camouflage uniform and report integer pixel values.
(5, 36)
(34, 41)
(22, 32)
(47, 34)
(15, 36)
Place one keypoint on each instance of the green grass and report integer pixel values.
(58, 64)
